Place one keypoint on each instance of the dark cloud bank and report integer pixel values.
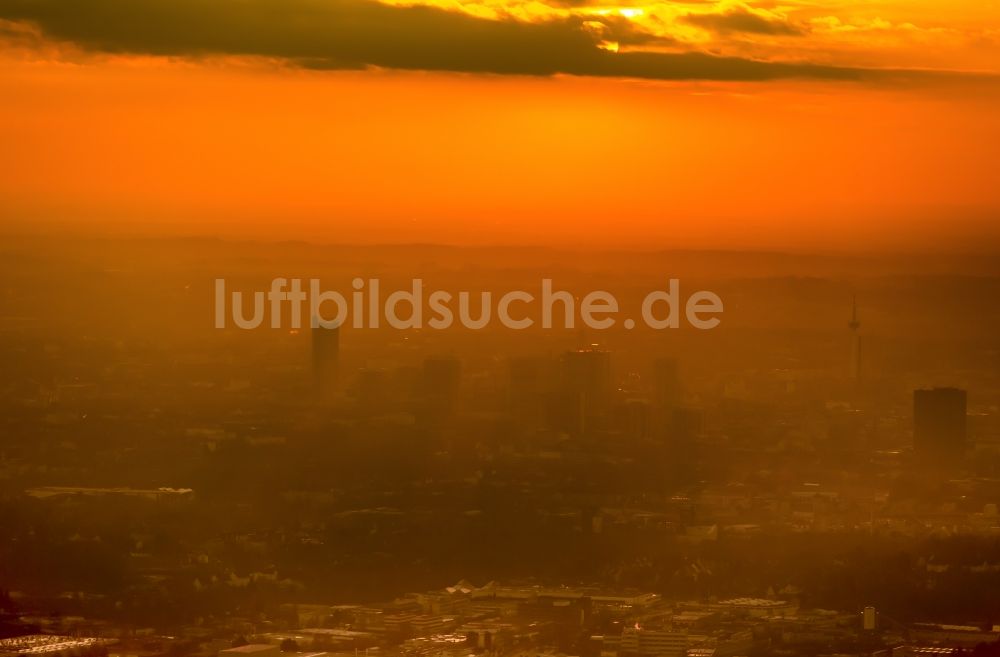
(742, 21)
(361, 33)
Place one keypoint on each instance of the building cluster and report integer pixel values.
(496, 620)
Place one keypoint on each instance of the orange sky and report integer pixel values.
(246, 146)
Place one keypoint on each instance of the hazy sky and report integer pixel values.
(816, 124)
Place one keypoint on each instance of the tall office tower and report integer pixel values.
(667, 392)
(325, 359)
(855, 326)
(440, 381)
(585, 388)
(939, 423)
(588, 371)
(666, 396)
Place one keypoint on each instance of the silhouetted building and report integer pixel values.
(325, 359)
(855, 326)
(666, 383)
(588, 371)
(939, 423)
(666, 396)
(585, 388)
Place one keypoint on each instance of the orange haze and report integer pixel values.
(249, 148)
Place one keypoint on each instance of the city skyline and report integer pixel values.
(499, 328)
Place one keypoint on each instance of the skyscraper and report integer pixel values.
(588, 371)
(325, 359)
(939, 423)
(585, 388)
(855, 326)
(666, 383)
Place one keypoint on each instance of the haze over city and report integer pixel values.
(499, 328)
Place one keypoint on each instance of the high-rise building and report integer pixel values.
(325, 359)
(585, 389)
(667, 396)
(939, 423)
(588, 372)
(666, 383)
(855, 326)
